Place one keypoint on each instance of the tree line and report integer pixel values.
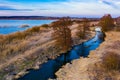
(62, 32)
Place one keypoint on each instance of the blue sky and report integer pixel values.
(76, 8)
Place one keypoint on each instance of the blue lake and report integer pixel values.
(10, 26)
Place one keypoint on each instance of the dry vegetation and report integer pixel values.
(18, 48)
(107, 23)
(24, 50)
(62, 34)
(11, 45)
(111, 61)
(83, 28)
(109, 66)
(102, 63)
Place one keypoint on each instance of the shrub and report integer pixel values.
(45, 25)
(111, 61)
(81, 35)
(33, 29)
(117, 28)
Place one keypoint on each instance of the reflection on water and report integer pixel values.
(48, 69)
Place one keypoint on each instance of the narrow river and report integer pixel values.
(48, 69)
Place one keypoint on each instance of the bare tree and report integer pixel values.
(83, 28)
(106, 22)
(62, 34)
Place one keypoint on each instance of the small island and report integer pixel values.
(24, 26)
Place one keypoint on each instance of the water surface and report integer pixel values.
(10, 26)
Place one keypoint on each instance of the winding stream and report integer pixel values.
(48, 69)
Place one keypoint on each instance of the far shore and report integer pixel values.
(27, 19)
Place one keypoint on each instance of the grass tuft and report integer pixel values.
(111, 61)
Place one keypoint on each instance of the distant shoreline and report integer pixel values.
(28, 18)
(38, 18)
(24, 19)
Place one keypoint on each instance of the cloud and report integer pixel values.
(110, 3)
(63, 8)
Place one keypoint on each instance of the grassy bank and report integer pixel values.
(29, 49)
(23, 48)
(102, 63)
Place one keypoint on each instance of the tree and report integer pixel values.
(117, 25)
(106, 22)
(62, 34)
(83, 28)
(118, 21)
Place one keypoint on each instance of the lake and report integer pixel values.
(10, 26)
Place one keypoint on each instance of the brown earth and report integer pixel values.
(90, 68)
(38, 48)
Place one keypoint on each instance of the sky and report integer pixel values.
(73, 8)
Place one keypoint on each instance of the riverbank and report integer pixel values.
(91, 68)
(32, 51)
